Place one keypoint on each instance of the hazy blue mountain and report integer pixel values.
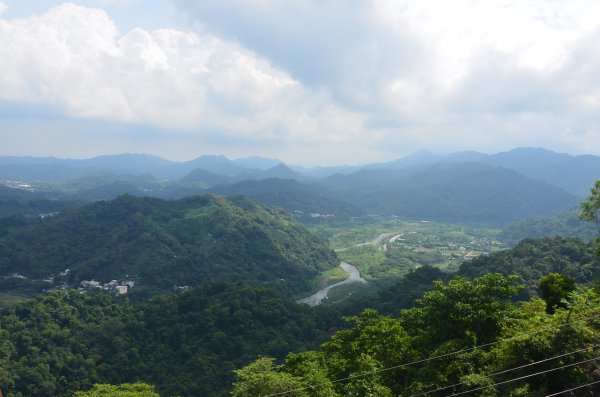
(110, 191)
(293, 196)
(281, 171)
(324, 172)
(127, 163)
(204, 178)
(575, 174)
(256, 162)
(28, 160)
(43, 173)
(461, 192)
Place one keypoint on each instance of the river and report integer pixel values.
(353, 277)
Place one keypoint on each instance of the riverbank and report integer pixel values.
(353, 277)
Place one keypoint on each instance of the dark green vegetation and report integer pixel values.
(22, 202)
(532, 259)
(187, 344)
(566, 224)
(124, 390)
(162, 244)
(431, 349)
(190, 342)
(463, 192)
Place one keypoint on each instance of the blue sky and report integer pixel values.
(306, 81)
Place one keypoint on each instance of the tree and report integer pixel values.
(590, 208)
(555, 288)
(591, 205)
(262, 378)
(469, 310)
(124, 390)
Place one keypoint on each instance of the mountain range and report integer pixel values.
(461, 186)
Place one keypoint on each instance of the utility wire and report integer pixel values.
(575, 388)
(523, 377)
(423, 360)
(507, 370)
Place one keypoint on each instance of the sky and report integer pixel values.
(311, 82)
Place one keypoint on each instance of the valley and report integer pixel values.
(384, 249)
(299, 273)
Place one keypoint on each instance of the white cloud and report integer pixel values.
(73, 57)
(371, 78)
(450, 75)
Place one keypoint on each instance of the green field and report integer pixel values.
(386, 248)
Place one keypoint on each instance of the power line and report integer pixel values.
(523, 377)
(420, 361)
(506, 370)
(575, 388)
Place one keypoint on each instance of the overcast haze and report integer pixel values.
(306, 81)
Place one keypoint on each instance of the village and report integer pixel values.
(113, 287)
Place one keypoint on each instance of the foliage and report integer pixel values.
(591, 205)
(532, 259)
(554, 289)
(124, 390)
(469, 310)
(186, 344)
(566, 224)
(162, 244)
(411, 287)
(462, 336)
(590, 208)
(262, 378)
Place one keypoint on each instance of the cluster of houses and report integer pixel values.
(114, 287)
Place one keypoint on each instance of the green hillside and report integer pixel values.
(566, 224)
(188, 344)
(462, 192)
(532, 259)
(161, 244)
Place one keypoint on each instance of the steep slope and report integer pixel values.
(161, 244)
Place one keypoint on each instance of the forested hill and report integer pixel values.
(564, 224)
(532, 259)
(161, 244)
(461, 192)
(187, 344)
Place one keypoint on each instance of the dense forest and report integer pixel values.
(161, 244)
(187, 344)
(565, 224)
(464, 337)
(517, 322)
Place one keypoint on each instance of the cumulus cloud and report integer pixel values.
(363, 80)
(446, 75)
(74, 57)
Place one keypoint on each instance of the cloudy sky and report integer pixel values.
(306, 81)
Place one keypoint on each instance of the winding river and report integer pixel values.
(353, 277)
